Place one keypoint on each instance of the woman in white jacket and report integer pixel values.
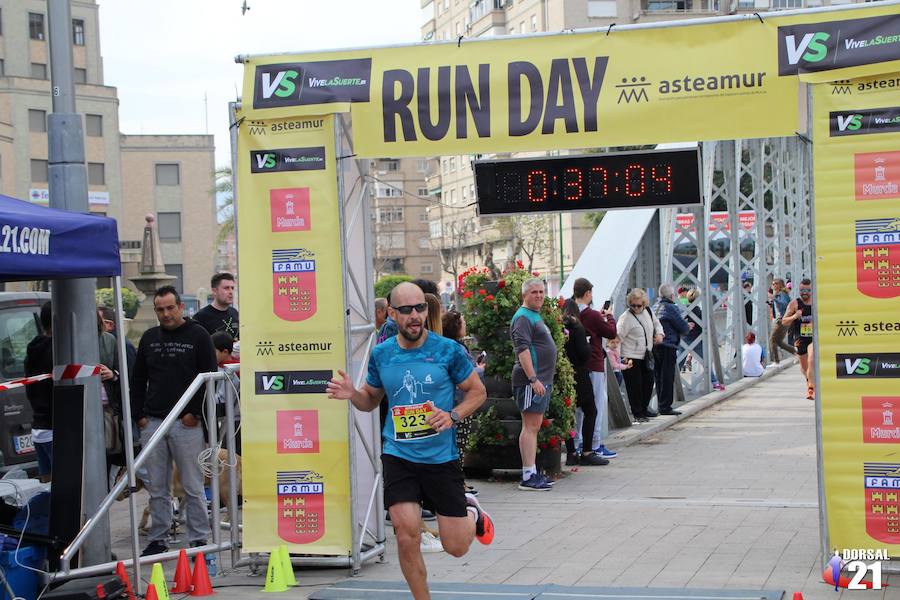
(639, 330)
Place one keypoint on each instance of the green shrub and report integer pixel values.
(130, 302)
(384, 285)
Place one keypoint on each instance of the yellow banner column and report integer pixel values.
(857, 219)
(295, 441)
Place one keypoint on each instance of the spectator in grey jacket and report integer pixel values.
(665, 353)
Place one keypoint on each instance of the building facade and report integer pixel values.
(400, 211)
(129, 176)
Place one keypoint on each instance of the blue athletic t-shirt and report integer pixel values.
(412, 379)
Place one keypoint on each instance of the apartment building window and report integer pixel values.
(521, 26)
(393, 240)
(96, 174)
(390, 214)
(393, 265)
(178, 271)
(36, 26)
(1, 22)
(452, 163)
(39, 172)
(39, 70)
(2, 68)
(80, 75)
(427, 268)
(423, 216)
(534, 22)
(472, 190)
(422, 192)
(93, 125)
(169, 226)
(424, 242)
(37, 121)
(78, 32)
(465, 193)
(422, 165)
(602, 8)
(452, 197)
(168, 174)
(434, 229)
(389, 165)
(384, 190)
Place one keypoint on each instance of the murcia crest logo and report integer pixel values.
(294, 284)
(301, 506)
(878, 257)
(882, 486)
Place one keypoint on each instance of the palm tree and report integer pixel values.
(225, 201)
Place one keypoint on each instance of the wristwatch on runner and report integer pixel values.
(454, 416)
(532, 379)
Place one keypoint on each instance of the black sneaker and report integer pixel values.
(593, 459)
(155, 547)
(571, 459)
(198, 543)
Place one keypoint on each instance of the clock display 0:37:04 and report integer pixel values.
(605, 181)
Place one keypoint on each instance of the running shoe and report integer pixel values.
(429, 543)
(484, 525)
(592, 459)
(535, 483)
(605, 452)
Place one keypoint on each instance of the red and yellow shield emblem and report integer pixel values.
(878, 257)
(882, 506)
(301, 506)
(294, 284)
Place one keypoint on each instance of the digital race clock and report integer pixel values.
(594, 182)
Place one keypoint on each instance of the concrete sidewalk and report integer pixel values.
(724, 499)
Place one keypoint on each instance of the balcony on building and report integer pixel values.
(487, 14)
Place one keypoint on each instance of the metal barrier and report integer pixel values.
(209, 381)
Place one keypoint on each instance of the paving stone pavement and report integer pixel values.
(723, 498)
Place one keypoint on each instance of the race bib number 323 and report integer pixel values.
(411, 421)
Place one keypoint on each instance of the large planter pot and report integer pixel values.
(497, 387)
(483, 460)
(506, 408)
(549, 460)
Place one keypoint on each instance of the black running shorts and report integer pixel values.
(802, 345)
(439, 488)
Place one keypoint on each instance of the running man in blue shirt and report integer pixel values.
(418, 372)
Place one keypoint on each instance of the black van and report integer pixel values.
(19, 324)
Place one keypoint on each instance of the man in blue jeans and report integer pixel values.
(532, 378)
(169, 358)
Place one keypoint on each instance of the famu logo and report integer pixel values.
(324, 82)
(838, 44)
(287, 159)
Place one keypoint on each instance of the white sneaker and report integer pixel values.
(430, 543)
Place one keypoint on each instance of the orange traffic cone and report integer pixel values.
(182, 574)
(122, 574)
(151, 593)
(202, 583)
(798, 596)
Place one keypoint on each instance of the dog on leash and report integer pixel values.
(177, 491)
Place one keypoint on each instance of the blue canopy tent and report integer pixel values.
(44, 243)
(37, 242)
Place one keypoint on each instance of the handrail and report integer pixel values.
(199, 381)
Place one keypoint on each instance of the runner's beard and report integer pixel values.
(409, 336)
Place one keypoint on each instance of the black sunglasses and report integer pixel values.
(636, 305)
(408, 308)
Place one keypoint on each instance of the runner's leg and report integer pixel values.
(457, 533)
(406, 517)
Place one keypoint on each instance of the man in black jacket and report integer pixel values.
(169, 357)
(664, 354)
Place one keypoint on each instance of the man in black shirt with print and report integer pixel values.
(220, 315)
(169, 357)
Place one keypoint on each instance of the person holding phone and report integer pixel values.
(598, 324)
(639, 330)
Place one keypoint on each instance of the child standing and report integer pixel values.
(615, 359)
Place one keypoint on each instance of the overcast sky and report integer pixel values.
(164, 55)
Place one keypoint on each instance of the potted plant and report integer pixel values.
(488, 307)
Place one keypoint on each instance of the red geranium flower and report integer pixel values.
(535, 274)
(568, 402)
(554, 442)
(501, 284)
(545, 423)
(489, 297)
(561, 302)
(520, 264)
(543, 446)
(467, 294)
(572, 434)
(498, 436)
(482, 292)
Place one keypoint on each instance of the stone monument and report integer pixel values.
(152, 276)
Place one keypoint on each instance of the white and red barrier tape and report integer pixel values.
(60, 373)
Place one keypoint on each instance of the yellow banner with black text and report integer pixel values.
(715, 80)
(295, 441)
